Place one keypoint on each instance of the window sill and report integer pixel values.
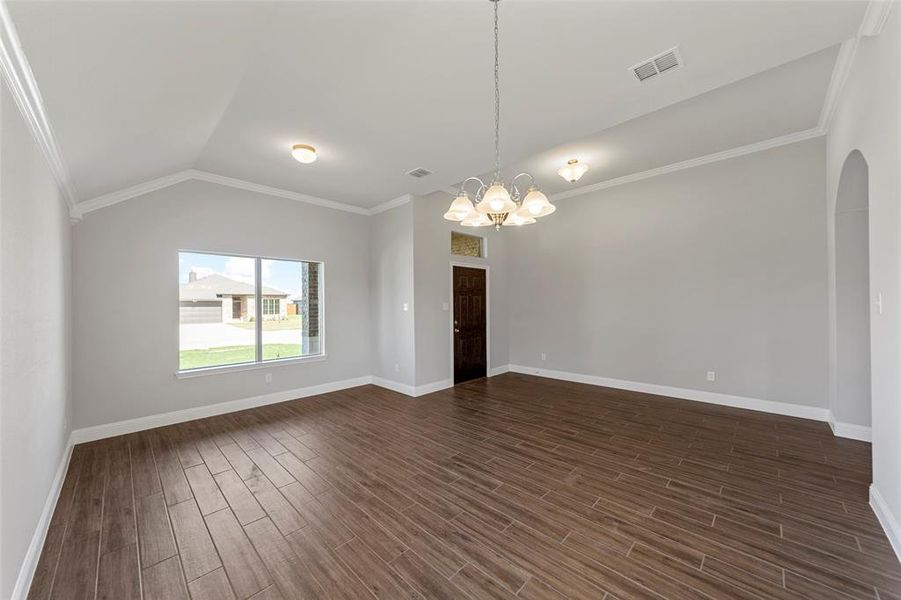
(283, 362)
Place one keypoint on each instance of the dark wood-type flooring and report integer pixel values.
(513, 487)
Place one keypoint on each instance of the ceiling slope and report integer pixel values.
(141, 90)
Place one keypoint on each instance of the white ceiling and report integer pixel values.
(139, 90)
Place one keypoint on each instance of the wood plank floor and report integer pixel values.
(513, 487)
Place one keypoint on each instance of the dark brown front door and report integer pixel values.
(470, 360)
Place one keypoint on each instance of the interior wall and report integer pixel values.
(867, 119)
(432, 270)
(852, 295)
(126, 296)
(391, 272)
(35, 251)
(717, 268)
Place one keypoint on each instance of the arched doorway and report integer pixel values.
(852, 294)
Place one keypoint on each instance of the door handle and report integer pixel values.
(456, 330)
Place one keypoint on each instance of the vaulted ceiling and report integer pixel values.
(140, 90)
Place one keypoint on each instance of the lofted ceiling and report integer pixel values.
(141, 90)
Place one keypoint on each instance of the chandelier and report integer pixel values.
(496, 203)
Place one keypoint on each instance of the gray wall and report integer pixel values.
(867, 119)
(716, 268)
(852, 290)
(35, 250)
(432, 269)
(126, 295)
(391, 273)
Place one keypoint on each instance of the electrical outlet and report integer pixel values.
(396, 368)
(445, 306)
(711, 375)
(406, 307)
(543, 356)
(268, 377)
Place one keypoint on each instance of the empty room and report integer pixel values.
(450, 299)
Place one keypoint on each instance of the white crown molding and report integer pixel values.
(112, 198)
(875, 17)
(82, 208)
(24, 89)
(840, 73)
(775, 142)
(399, 201)
(871, 25)
(140, 189)
(277, 192)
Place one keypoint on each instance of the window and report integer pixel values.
(237, 310)
(270, 306)
(466, 245)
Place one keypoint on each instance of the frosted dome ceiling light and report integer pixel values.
(573, 170)
(303, 153)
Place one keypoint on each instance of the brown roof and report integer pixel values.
(215, 286)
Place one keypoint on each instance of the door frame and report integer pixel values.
(450, 318)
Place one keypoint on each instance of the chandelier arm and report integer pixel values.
(481, 183)
(516, 192)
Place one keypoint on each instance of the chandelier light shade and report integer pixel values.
(520, 217)
(460, 208)
(498, 204)
(573, 170)
(477, 219)
(536, 203)
(496, 200)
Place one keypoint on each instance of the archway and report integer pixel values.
(852, 294)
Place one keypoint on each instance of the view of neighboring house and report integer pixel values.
(218, 299)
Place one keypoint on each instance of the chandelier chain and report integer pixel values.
(497, 203)
(497, 100)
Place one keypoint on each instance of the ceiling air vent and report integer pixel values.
(665, 61)
(419, 173)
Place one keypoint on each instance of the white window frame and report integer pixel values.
(258, 362)
(268, 302)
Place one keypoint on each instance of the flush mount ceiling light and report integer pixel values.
(303, 153)
(573, 170)
(496, 203)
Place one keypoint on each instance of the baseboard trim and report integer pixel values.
(30, 563)
(499, 370)
(768, 406)
(435, 386)
(849, 430)
(394, 386)
(99, 432)
(888, 521)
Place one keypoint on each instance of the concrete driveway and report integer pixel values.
(200, 336)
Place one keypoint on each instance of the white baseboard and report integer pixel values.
(89, 434)
(435, 386)
(410, 390)
(769, 406)
(888, 521)
(30, 562)
(394, 386)
(849, 430)
(499, 370)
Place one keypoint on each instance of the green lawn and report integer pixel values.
(229, 355)
(291, 322)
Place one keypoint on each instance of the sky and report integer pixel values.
(280, 274)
